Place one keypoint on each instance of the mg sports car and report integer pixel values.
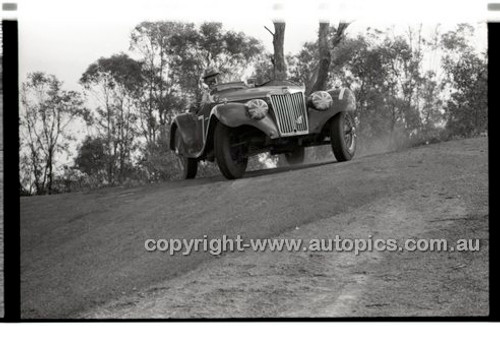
(275, 117)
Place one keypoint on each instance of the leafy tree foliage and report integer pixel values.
(163, 49)
(398, 101)
(92, 159)
(263, 69)
(115, 83)
(45, 117)
(466, 72)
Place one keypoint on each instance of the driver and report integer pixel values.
(209, 82)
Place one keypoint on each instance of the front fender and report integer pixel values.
(235, 115)
(187, 125)
(343, 100)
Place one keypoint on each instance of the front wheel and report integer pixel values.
(189, 166)
(343, 136)
(230, 152)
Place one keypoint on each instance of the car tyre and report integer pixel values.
(189, 166)
(231, 160)
(295, 157)
(343, 136)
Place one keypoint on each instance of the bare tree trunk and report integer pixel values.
(279, 54)
(50, 165)
(325, 56)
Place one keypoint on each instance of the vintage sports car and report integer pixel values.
(276, 116)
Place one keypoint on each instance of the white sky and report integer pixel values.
(64, 37)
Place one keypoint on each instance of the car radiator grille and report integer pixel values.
(291, 114)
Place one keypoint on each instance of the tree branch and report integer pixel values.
(269, 30)
(339, 33)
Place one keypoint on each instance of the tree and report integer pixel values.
(432, 104)
(328, 40)
(162, 47)
(92, 160)
(228, 51)
(466, 72)
(301, 66)
(46, 114)
(263, 69)
(468, 105)
(278, 60)
(403, 79)
(115, 83)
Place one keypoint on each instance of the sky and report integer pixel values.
(64, 37)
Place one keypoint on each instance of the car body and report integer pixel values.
(276, 117)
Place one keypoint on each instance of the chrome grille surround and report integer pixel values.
(290, 110)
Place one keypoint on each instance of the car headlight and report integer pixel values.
(257, 109)
(321, 100)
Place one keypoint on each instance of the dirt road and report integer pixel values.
(83, 254)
